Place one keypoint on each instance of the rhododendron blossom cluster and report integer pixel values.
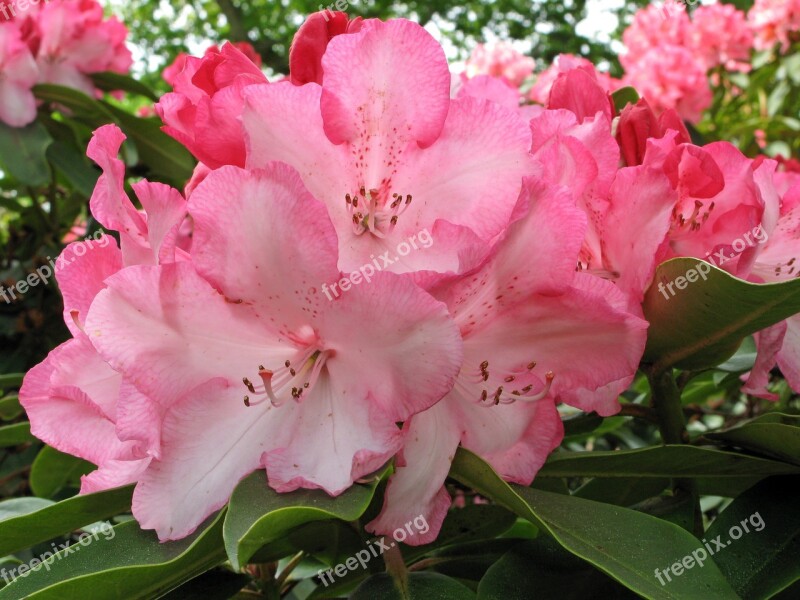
(59, 42)
(669, 54)
(214, 352)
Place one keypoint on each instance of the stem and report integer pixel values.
(396, 567)
(666, 401)
(667, 404)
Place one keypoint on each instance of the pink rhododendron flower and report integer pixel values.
(311, 41)
(174, 69)
(651, 28)
(775, 22)
(60, 42)
(671, 77)
(563, 63)
(720, 35)
(638, 124)
(500, 59)
(329, 389)
(72, 39)
(390, 154)
(18, 74)
(204, 110)
(534, 332)
(75, 401)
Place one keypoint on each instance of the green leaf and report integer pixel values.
(624, 96)
(11, 380)
(212, 585)
(625, 491)
(10, 408)
(14, 435)
(84, 109)
(164, 156)
(699, 327)
(112, 82)
(22, 153)
(53, 470)
(661, 461)
(760, 563)
(773, 434)
(123, 562)
(18, 533)
(74, 166)
(16, 507)
(627, 545)
(258, 515)
(541, 569)
(419, 586)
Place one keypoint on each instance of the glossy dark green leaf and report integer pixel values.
(11, 380)
(14, 435)
(699, 327)
(53, 470)
(24, 531)
(627, 545)
(258, 515)
(536, 569)
(74, 166)
(83, 108)
(218, 584)
(16, 507)
(419, 586)
(22, 153)
(764, 559)
(112, 82)
(162, 155)
(660, 462)
(123, 562)
(774, 434)
(622, 491)
(10, 408)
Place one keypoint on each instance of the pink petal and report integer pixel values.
(417, 486)
(82, 270)
(385, 86)
(211, 440)
(408, 356)
(250, 243)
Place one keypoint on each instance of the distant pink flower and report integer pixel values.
(500, 59)
(204, 110)
(171, 72)
(671, 77)
(775, 21)
(720, 35)
(18, 74)
(72, 40)
(387, 150)
(652, 27)
(563, 63)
